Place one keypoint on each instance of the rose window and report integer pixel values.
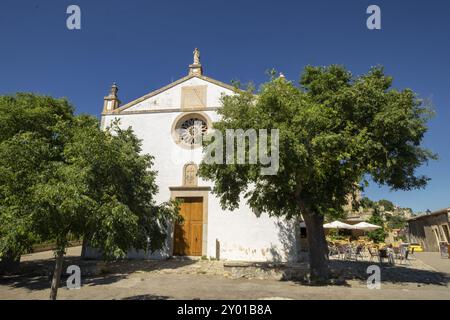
(192, 130)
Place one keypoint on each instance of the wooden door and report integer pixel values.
(188, 234)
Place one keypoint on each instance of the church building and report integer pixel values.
(168, 120)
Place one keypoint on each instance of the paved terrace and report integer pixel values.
(176, 279)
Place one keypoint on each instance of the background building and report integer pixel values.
(430, 229)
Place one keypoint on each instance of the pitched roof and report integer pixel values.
(171, 85)
(436, 213)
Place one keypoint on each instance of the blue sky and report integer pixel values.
(143, 45)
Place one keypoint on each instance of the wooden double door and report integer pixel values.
(188, 234)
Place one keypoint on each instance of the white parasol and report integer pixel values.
(338, 225)
(366, 226)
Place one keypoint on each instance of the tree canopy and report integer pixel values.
(62, 177)
(335, 130)
(27, 146)
(378, 235)
(387, 205)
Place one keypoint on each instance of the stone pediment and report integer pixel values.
(193, 92)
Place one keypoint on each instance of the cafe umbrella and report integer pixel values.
(365, 226)
(338, 225)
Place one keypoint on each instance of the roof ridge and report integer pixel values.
(169, 86)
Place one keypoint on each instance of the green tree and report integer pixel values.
(366, 203)
(386, 204)
(395, 222)
(334, 130)
(377, 235)
(80, 183)
(27, 143)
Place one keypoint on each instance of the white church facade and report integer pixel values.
(168, 120)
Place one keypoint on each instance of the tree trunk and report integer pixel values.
(57, 274)
(318, 248)
(84, 245)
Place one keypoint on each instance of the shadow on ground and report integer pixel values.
(37, 274)
(30, 283)
(343, 271)
(147, 297)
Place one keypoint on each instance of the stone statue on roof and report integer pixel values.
(196, 56)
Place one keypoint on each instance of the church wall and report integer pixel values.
(239, 234)
(229, 235)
